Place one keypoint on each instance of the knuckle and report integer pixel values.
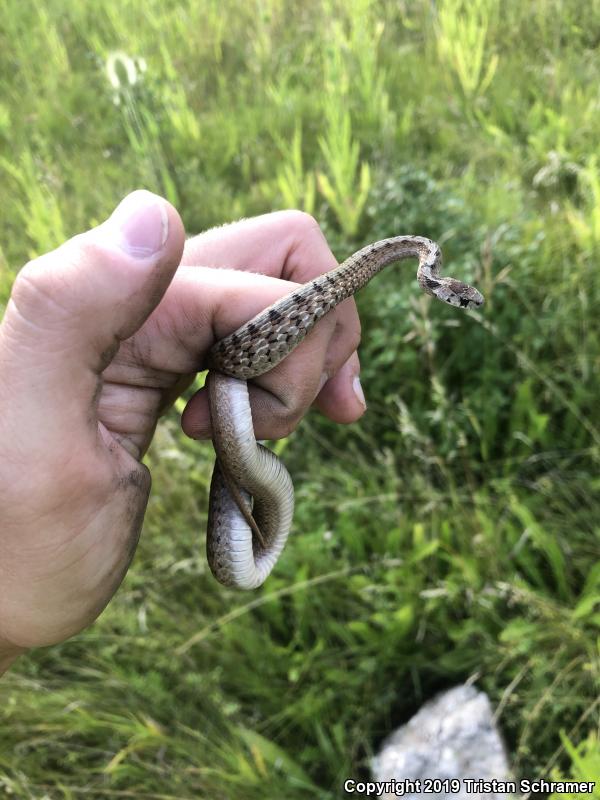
(353, 338)
(32, 285)
(52, 281)
(285, 424)
(86, 249)
(279, 417)
(301, 221)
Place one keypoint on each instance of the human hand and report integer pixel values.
(98, 339)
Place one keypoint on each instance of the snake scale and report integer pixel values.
(251, 496)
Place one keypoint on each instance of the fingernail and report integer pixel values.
(141, 223)
(358, 391)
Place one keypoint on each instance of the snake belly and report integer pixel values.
(251, 502)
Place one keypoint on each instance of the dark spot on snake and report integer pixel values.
(251, 329)
(431, 283)
(274, 315)
(464, 302)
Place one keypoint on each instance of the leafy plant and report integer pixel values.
(585, 766)
(462, 33)
(347, 186)
(297, 186)
(585, 222)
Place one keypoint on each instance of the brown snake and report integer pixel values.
(251, 496)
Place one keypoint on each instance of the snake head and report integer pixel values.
(458, 294)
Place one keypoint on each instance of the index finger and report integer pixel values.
(291, 245)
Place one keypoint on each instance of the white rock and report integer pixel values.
(451, 736)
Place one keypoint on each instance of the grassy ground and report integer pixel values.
(454, 532)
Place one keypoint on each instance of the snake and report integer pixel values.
(251, 498)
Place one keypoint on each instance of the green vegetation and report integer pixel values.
(585, 767)
(454, 532)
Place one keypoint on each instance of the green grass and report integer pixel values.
(455, 531)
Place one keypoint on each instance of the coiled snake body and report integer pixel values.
(252, 497)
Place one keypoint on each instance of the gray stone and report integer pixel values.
(451, 737)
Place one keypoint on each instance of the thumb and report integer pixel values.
(97, 289)
(70, 308)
